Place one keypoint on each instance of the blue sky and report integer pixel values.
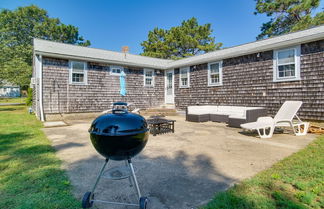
(113, 24)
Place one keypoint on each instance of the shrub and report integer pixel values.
(29, 100)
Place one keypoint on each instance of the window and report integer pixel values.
(148, 77)
(116, 70)
(286, 64)
(78, 73)
(184, 77)
(215, 74)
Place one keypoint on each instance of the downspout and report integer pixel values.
(41, 88)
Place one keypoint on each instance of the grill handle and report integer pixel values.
(119, 111)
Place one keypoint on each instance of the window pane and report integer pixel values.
(214, 68)
(77, 70)
(77, 77)
(287, 56)
(169, 81)
(184, 81)
(148, 73)
(148, 81)
(116, 70)
(184, 73)
(286, 70)
(214, 78)
(77, 65)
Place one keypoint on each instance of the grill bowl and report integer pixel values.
(120, 135)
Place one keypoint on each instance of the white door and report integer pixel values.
(169, 87)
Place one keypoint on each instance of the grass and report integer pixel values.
(13, 100)
(296, 182)
(30, 174)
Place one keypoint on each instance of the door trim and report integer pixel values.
(165, 86)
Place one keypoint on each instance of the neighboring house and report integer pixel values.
(265, 73)
(9, 90)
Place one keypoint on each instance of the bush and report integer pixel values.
(29, 100)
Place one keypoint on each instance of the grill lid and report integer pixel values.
(118, 123)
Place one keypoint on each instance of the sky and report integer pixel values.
(113, 24)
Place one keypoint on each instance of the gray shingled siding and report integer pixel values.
(248, 81)
(101, 91)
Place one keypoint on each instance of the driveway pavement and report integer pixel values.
(182, 170)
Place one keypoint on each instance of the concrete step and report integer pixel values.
(159, 111)
(167, 106)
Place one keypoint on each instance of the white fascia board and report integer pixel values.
(68, 51)
(277, 42)
(55, 49)
(106, 61)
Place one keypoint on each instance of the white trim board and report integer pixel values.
(55, 49)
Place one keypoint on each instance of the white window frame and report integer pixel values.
(144, 76)
(276, 77)
(111, 68)
(85, 81)
(188, 77)
(220, 83)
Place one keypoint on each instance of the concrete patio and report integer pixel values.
(179, 170)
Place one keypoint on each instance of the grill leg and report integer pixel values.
(134, 178)
(99, 176)
(129, 178)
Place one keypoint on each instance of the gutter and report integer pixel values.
(41, 87)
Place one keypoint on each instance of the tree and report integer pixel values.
(17, 30)
(288, 16)
(185, 40)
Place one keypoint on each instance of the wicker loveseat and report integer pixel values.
(233, 115)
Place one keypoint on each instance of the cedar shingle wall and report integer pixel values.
(101, 91)
(248, 81)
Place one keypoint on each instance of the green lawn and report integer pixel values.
(13, 100)
(295, 182)
(31, 178)
(30, 174)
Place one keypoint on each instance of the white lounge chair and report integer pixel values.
(285, 117)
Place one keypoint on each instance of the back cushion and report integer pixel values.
(232, 110)
(200, 110)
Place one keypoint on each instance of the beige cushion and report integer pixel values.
(232, 111)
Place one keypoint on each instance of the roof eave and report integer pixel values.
(91, 59)
(245, 49)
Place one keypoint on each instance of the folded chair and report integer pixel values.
(265, 126)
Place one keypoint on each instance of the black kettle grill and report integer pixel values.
(119, 136)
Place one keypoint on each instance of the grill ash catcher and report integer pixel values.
(118, 136)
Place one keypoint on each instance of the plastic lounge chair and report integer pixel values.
(288, 111)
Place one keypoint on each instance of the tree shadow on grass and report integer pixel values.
(9, 140)
(8, 109)
(31, 178)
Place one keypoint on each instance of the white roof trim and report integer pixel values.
(68, 51)
(282, 41)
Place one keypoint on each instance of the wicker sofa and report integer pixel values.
(233, 115)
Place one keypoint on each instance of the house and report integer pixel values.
(8, 89)
(265, 73)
